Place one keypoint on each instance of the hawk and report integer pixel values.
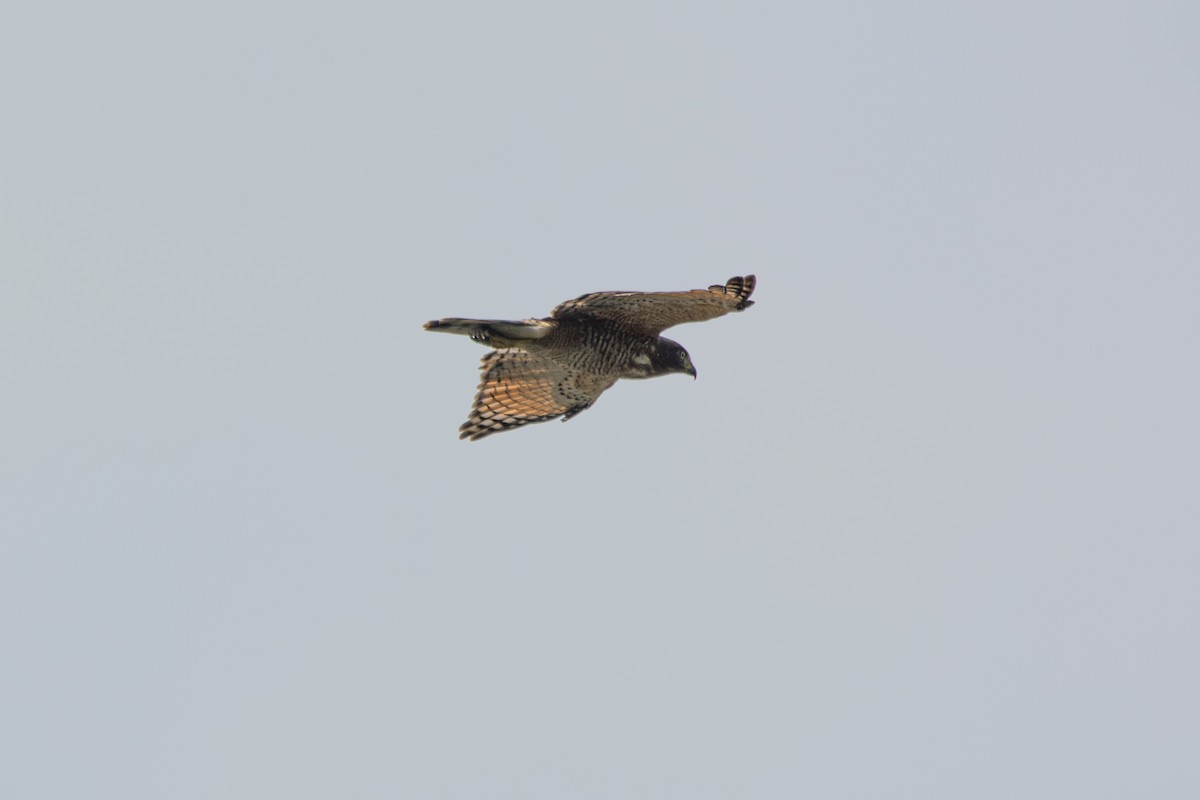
(557, 366)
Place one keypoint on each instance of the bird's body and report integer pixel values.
(593, 346)
(559, 365)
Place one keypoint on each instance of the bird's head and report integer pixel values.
(671, 357)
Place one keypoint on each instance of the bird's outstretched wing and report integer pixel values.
(518, 389)
(654, 312)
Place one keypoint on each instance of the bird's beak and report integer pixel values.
(692, 372)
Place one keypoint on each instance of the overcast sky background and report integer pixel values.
(925, 527)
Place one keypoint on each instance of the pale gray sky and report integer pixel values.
(925, 527)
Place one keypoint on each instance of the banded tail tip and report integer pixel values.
(453, 324)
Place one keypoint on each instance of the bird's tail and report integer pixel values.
(494, 332)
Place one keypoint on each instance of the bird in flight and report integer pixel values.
(542, 369)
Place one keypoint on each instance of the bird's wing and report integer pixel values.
(518, 389)
(653, 312)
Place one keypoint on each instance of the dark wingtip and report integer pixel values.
(743, 287)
